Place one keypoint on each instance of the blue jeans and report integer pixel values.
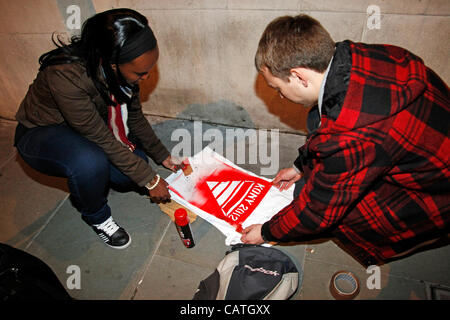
(62, 152)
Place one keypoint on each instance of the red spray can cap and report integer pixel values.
(181, 217)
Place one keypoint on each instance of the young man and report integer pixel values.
(374, 172)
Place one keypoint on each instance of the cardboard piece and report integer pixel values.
(170, 207)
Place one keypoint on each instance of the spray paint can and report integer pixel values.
(184, 227)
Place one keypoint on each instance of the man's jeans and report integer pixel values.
(62, 152)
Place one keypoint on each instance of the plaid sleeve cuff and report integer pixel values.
(266, 234)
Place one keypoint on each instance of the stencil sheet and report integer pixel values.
(226, 195)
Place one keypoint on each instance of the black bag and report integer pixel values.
(250, 272)
(25, 277)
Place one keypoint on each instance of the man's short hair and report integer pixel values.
(290, 42)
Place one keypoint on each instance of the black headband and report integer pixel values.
(139, 43)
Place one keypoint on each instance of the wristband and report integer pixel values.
(262, 236)
(265, 229)
(151, 187)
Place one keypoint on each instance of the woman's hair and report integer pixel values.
(291, 42)
(101, 40)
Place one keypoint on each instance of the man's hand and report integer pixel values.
(286, 178)
(160, 194)
(252, 234)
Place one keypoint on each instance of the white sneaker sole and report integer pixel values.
(121, 247)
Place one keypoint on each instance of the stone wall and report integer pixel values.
(206, 68)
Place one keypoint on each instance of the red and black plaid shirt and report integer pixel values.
(377, 169)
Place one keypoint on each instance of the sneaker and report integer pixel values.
(114, 236)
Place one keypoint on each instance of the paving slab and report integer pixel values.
(171, 279)
(28, 200)
(37, 216)
(431, 266)
(106, 273)
(209, 246)
(173, 257)
(318, 274)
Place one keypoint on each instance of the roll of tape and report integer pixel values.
(344, 285)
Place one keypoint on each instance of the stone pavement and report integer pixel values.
(37, 216)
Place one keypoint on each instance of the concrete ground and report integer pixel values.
(37, 217)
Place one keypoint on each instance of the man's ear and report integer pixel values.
(300, 75)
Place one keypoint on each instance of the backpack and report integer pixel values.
(251, 272)
(25, 277)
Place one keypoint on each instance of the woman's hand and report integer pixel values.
(172, 163)
(286, 178)
(160, 193)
